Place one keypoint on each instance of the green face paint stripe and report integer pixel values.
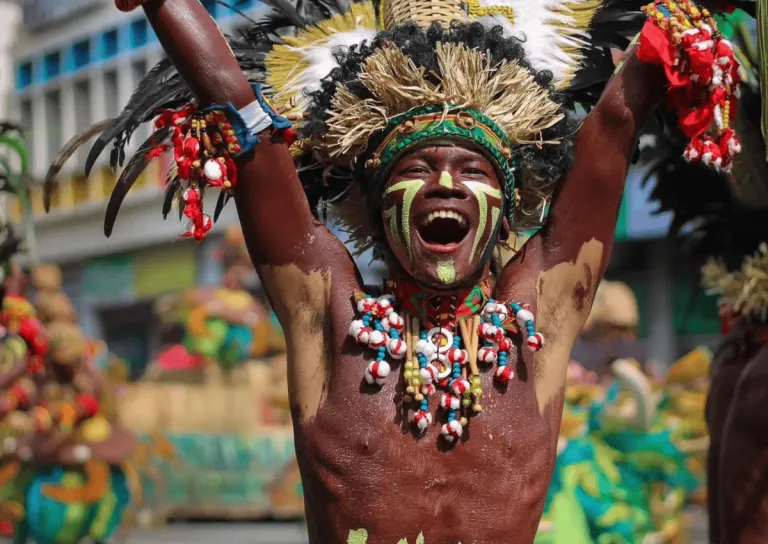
(446, 180)
(495, 213)
(446, 272)
(481, 191)
(390, 215)
(411, 187)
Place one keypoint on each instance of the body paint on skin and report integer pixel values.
(446, 180)
(390, 216)
(481, 191)
(411, 187)
(446, 271)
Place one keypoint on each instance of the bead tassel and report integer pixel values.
(703, 77)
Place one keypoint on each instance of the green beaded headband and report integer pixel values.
(431, 122)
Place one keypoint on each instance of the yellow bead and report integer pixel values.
(227, 184)
(476, 380)
(466, 402)
(419, 397)
(410, 390)
(409, 365)
(477, 409)
(407, 374)
(477, 392)
(463, 422)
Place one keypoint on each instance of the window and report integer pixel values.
(110, 93)
(81, 54)
(24, 75)
(138, 33)
(109, 44)
(82, 91)
(53, 123)
(51, 65)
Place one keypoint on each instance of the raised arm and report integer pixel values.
(587, 205)
(278, 225)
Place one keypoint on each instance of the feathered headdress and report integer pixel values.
(363, 82)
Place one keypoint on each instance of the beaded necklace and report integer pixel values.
(439, 338)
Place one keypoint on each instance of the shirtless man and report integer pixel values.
(362, 465)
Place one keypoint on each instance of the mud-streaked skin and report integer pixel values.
(361, 466)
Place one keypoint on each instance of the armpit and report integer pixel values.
(301, 302)
(564, 297)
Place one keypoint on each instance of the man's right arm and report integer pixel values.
(296, 256)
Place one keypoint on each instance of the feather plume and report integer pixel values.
(65, 154)
(135, 168)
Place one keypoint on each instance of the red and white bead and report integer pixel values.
(487, 355)
(427, 389)
(456, 355)
(365, 305)
(377, 372)
(428, 374)
(535, 342)
(504, 374)
(422, 419)
(452, 430)
(460, 386)
(505, 344)
(523, 317)
(364, 336)
(377, 339)
(394, 321)
(449, 402)
(384, 307)
(397, 348)
(426, 348)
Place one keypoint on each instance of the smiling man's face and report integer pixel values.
(441, 207)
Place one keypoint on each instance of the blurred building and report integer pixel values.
(78, 61)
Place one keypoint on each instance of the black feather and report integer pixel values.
(224, 197)
(172, 187)
(65, 154)
(136, 166)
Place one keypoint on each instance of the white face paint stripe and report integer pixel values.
(481, 191)
(411, 187)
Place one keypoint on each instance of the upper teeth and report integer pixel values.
(445, 215)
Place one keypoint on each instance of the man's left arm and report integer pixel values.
(586, 206)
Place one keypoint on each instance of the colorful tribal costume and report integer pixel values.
(435, 132)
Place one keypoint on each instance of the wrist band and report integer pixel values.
(254, 118)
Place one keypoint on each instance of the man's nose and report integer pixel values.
(445, 186)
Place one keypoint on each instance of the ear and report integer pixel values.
(504, 230)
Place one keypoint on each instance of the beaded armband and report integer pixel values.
(205, 143)
(702, 74)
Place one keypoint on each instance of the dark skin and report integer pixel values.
(361, 466)
(738, 427)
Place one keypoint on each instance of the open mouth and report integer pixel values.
(443, 231)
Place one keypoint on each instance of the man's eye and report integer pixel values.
(417, 170)
(474, 172)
